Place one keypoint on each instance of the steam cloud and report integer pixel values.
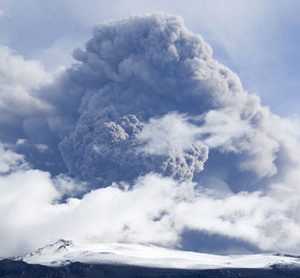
(166, 136)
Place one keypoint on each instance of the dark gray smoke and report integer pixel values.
(134, 70)
(103, 113)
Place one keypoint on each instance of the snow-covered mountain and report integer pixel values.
(65, 252)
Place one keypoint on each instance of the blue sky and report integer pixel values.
(257, 39)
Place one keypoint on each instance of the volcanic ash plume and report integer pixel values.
(137, 70)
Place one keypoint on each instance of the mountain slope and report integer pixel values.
(11, 269)
(64, 252)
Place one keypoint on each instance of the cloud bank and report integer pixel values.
(145, 137)
(156, 210)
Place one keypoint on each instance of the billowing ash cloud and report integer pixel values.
(96, 115)
(168, 135)
(136, 70)
(143, 68)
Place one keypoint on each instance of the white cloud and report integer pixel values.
(19, 79)
(9, 160)
(169, 133)
(223, 130)
(155, 210)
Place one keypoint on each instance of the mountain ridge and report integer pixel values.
(12, 269)
(64, 252)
